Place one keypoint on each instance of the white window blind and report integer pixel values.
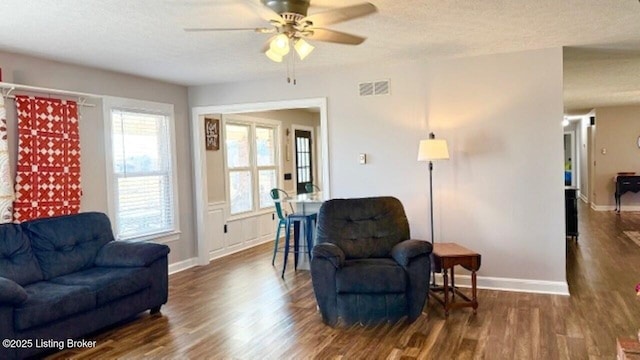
(142, 174)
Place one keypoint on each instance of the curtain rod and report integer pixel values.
(19, 87)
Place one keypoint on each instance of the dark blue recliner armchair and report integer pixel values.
(365, 269)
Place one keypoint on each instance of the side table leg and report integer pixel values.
(474, 291)
(453, 284)
(446, 291)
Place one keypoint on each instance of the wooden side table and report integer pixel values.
(445, 256)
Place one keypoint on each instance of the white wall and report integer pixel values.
(501, 193)
(50, 74)
(616, 150)
(503, 187)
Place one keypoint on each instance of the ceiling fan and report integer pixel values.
(291, 25)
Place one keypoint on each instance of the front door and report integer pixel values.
(304, 173)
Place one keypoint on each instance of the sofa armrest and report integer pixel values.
(130, 254)
(406, 250)
(11, 293)
(329, 252)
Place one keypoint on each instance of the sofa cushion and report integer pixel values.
(17, 261)
(67, 244)
(371, 276)
(109, 283)
(48, 302)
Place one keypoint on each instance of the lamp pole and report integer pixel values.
(433, 274)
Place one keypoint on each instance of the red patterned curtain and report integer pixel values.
(48, 176)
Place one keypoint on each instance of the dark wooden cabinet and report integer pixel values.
(624, 184)
(571, 211)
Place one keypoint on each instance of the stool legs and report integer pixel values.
(275, 247)
(296, 243)
(287, 238)
(308, 233)
(309, 236)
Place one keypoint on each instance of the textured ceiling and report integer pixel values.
(601, 77)
(145, 37)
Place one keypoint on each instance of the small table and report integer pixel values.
(445, 256)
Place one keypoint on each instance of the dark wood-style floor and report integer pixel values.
(239, 308)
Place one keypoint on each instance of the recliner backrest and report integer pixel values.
(364, 227)
(67, 244)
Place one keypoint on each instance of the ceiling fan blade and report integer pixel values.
(333, 36)
(258, 30)
(340, 14)
(264, 12)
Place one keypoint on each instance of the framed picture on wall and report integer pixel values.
(212, 133)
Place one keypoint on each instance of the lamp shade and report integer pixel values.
(433, 149)
(280, 45)
(303, 48)
(273, 56)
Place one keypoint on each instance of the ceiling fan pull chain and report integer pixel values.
(286, 59)
(293, 66)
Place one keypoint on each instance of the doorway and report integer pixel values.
(304, 157)
(203, 215)
(569, 159)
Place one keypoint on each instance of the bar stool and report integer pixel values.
(285, 221)
(311, 188)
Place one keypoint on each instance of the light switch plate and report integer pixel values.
(362, 159)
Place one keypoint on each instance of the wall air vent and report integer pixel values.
(371, 88)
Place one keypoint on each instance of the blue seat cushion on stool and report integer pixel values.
(371, 276)
(48, 302)
(109, 283)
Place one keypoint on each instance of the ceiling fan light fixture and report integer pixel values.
(280, 45)
(303, 48)
(273, 56)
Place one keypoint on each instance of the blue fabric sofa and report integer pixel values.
(65, 277)
(365, 267)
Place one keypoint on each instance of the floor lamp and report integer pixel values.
(430, 150)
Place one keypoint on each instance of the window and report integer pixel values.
(252, 164)
(141, 171)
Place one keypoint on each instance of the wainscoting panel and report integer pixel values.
(235, 233)
(215, 230)
(242, 233)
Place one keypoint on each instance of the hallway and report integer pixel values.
(602, 271)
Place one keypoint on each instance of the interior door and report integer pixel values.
(304, 156)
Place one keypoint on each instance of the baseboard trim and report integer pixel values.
(221, 254)
(182, 265)
(514, 285)
(613, 207)
(584, 198)
(483, 282)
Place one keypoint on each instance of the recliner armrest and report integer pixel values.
(330, 252)
(130, 254)
(11, 293)
(406, 250)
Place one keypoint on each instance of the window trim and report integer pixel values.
(252, 122)
(149, 107)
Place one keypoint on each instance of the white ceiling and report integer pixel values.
(145, 37)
